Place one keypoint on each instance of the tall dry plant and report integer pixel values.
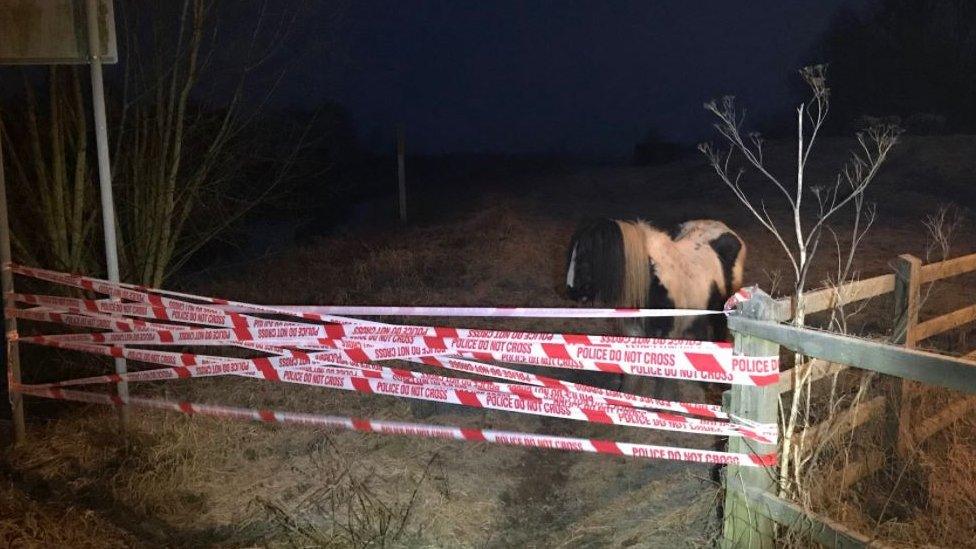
(178, 165)
(810, 209)
(184, 163)
(46, 148)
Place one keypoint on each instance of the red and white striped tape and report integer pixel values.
(582, 393)
(153, 298)
(476, 395)
(130, 292)
(353, 343)
(492, 312)
(420, 430)
(606, 396)
(713, 362)
(741, 296)
(717, 365)
(253, 327)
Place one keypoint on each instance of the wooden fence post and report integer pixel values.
(908, 280)
(747, 524)
(401, 148)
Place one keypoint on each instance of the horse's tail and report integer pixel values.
(636, 272)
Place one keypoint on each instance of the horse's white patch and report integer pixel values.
(571, 273)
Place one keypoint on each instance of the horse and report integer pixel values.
(697, 265)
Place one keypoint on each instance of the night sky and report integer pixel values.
(577, 77)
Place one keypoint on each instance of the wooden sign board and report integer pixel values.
(49, 32)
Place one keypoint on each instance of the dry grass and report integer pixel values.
(929, 499)
(345, 507)
(27, 522)
(196, 481)
(671, 507)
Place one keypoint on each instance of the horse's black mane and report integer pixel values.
(599, 259)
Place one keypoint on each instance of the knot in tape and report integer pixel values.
(12, 335)
(768, 429)
(743, 295)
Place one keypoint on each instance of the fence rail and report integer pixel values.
(944, 323)
(825, 299)
(906, 283)
(948, 268)
(807, 525)
(832, 353)
(930, 368)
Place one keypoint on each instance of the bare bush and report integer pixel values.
(182, 167)
(807, 221)
(186, 162)
(47, 151)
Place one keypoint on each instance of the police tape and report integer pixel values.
(275, 329)
(131, 291)
(548, 360)
(468, 393)
(252, 328)
(531, 440)
(710, 362)
(376, 331)
(607, 396)
(362, 341)
(581, 392)
(717, 365)
(492, 312)
(159, 304)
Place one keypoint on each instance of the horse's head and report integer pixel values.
(579, 279)
(594, 262)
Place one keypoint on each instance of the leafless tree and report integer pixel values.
(47, 149)
(184, 162)
(177, 165)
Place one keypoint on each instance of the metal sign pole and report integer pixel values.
(10, 324)
(105, 174)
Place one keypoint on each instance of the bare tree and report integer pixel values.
(185, 164)
(810, 208)
(47, 150)
(175, 159)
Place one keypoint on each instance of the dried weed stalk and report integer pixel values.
(801, 241)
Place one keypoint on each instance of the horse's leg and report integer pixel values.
(630, 383)
(654, 327)
(719, 332)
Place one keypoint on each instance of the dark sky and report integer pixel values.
(523, 76)
(578, 76)
(586, 77)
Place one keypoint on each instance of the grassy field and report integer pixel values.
(181, 481)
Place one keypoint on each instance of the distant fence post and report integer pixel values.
(401, 151)
(908, 280)
(746, 523)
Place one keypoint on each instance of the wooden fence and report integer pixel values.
(751, 507)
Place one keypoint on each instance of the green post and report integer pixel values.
(746, 522)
